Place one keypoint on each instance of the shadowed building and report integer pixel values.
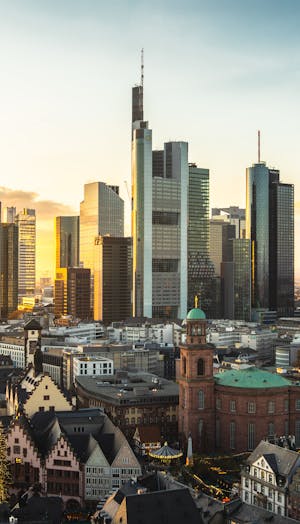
(67, 241)
(112, 279)
(72, 292)
(8, 269)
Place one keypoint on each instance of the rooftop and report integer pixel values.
(250, 378)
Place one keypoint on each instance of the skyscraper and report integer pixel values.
(101, 213)
(159, 221)
(270, 226)
(72, 292)
(67, 241)
(8, 269)
(26, 223)
(202, 280)
(9, 215)
(112, 279)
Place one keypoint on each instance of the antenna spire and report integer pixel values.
(142, 67)
(258, 145)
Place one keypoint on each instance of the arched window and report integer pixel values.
(201, 399)
(200, 427)
(200, 367)
(183, 365)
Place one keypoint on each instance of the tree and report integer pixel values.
(5, 476)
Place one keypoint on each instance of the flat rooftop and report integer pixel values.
(134, 388)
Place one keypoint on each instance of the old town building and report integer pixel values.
(233, 410)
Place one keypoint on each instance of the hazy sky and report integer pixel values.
(215, 72)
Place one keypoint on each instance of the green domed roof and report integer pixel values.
(250, 378)
(196, 314)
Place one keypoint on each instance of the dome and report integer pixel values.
(196, 314)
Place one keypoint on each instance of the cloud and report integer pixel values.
(46, 210)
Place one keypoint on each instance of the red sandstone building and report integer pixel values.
(234, 410)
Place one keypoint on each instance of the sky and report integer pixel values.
(216, 71)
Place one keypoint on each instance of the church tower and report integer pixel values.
(32, 336)
(196, 384)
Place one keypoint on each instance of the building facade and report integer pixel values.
(270, 227)
(8, 269)
(26, 222)
(67, 241)
(233, 410)
(101, 213)
(72, 292)
(112, 279)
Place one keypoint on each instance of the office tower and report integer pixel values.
(201, 274)
(220, 248)
(281, 246)
(26, 223)
(234, 215)
(9, 215)
(241, 257)
(8, 269)
(159, 221)
(72, 292)
(270, 226)
(101, 213)
(112, 279)
(67, 241)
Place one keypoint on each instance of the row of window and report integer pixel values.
(251, 406)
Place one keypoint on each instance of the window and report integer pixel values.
(232, 406)
(255, 472)
(298, 404)
(232, 435)
(218, 432)
(46, 397)
(286, 405)
(246, 483)
(271, 430)
(271, 406)
(270, 479)
(218, 403)
(184, 366)
(200, 367)
(279, 497)
(246, 496)
(251, 435)
(251, 407)
(201, 399)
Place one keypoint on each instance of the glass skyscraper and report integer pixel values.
(8, 269)
(270, 227)
(101, 213)
(159, 221)
(26, 222)
(67, 241)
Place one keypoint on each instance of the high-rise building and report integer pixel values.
(112, 279)
(67, 241)
(26, 222)
(201, 275)
(234, 215)
(101, 213)
(270, 226)
(8, 269)
(72, 292)
(159, 221)
(220, 248)
(9, 215)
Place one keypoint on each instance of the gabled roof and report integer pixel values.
(33, 325)
(282, 459)
(176, 506)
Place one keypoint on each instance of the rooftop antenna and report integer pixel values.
(142, 67)
(258, 145)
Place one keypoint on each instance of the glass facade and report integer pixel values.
(26, 223)
(241, 249)
(257, 229)
(270, 226)
(67, 241)
(8, 269)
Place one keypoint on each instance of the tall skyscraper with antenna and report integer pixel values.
(159, 219)
(270, 226)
